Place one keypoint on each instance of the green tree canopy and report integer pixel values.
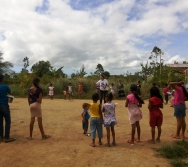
(99, 69)
(106, 74)
(42, 68)
(4, 65)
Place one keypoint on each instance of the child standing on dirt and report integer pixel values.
(51, 91)
(133, 102)
(70, 91)
(156, 116)
(65, 93)
(80, 90)
(85, 118)
(165, 91)
(112, 89)
(109, 118)
(96, 120)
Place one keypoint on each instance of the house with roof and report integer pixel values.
(180, 67)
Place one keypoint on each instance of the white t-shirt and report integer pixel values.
(103, 84)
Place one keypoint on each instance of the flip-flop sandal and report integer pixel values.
(9, 140)
(29, 138)
(114, 143)
(136, 140)
(107, 145)
(175, 137)
(151, 141)
(46, 137)
(130, 142)
(92, 145)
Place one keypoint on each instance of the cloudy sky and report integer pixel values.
(119, 34)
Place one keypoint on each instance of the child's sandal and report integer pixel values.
(107, 145)
(92, 145)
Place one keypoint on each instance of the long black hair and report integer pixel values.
(36, 82)
(133, 89)
(154, 91)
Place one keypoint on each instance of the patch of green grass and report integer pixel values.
(178, 163)
(176, 152)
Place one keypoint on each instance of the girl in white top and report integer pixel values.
(112, 89)
(51, 91)
(70, 91)
(103, 87)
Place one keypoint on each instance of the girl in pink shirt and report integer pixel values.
(133, 102)
(179, 108)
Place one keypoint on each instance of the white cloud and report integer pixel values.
(106, 34)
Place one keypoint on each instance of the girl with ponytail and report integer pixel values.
(133, 103)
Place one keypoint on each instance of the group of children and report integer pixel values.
(67, 91)
(105, 114)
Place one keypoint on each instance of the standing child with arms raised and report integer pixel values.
(156, 116)
(96, 120)
(133, 102)
(109, 118)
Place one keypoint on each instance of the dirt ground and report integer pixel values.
(68, 147)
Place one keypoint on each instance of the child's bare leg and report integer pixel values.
(100, 141)
(108, 136)
(159, 134)
(183, 125)
(92, 143)
(41, 126)
(178, 127)
(133, 132)
(138, 130)
(113, 135)
(31, 127)
(153, 133)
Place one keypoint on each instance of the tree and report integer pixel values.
(99, 69)
(147, 70)
(42, 68)
(82, 72)
(156, 52)
(106, 74)
(26, 64)
(58, 73)
(4, 65)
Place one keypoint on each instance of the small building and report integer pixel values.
(183, 68)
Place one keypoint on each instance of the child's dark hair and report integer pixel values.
(154, 91)
(165, 84)
(133, 89)
(84, 105)
(95, 97)
(109, 96)
(36, 82)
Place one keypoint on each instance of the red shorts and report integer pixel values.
(156, 118)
